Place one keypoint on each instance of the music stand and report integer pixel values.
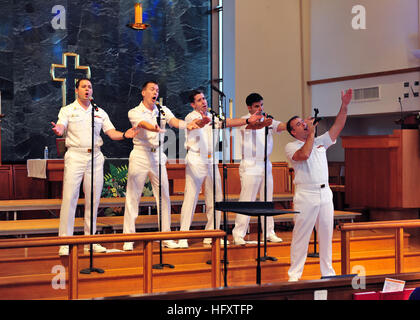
(256, 209)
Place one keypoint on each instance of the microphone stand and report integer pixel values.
(213, 130)
(91, 268)
(402, 115)
(265, 258)
(160, 265)
(225, 257)
(315, 254)
(214, 192)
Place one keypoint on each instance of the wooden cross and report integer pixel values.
(72, 75)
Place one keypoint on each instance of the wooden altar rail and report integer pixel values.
(399, 239)
(146, 238)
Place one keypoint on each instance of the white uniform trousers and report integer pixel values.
(316, 209)
(197, 172)
(77, 166)
(252, 182)
(142, 164)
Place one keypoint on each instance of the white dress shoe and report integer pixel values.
(97, 248)
(128, 246)
(63, 251)
(274, 238)
(239, 241)
(183, 243)
(171, 244)
(293, 279)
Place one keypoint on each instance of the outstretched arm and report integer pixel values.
(195, 124)
(150, 127)
(118, 135)
(341, 117)
(237, 122)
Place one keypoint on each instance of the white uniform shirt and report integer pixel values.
(315, 169)
(78, 123)
(200, 141)
(252, 142)
(148, 138)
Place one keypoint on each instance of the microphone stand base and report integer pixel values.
(313, 255)
(91, 270)
(221, 261)
(266, 258)
(160, 266)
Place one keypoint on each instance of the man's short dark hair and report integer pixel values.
(80, 80)
(253, 98)
(146, 83)
(192, 95)
(289, 125)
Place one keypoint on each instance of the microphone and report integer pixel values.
(160, 108)
(94, 105)
(215, 114)
(317, 119)
(218, 91)
(267, 115)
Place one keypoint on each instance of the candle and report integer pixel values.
(138, 13)
(231, 108)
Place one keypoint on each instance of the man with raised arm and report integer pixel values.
(313, 196)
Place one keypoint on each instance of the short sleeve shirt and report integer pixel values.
(252, 142)
(201, 140)
(315, 169)
(78, 124)
(140, 113)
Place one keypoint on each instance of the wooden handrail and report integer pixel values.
(108, 238)
(146, 238)
(379, 225)
(398, 225)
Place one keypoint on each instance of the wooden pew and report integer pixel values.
(55, 204)
(143, 222)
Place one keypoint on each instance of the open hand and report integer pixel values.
(58, 129)
(346, 96)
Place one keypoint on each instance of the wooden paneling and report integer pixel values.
(25, 187)
(6, 182)
(383, 171)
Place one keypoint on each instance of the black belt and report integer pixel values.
(323, 186)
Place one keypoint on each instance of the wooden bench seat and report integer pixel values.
(143, 222)
(55, 204)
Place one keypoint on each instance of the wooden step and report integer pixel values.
(123, 270)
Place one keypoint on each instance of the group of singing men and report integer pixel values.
(307, 155)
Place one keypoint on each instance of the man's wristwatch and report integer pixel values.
(247, 121)
(124, 135)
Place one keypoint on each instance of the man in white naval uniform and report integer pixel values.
(313, 196)
(144, 160)
(199, 164)
(251, 169)
(76, 120)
